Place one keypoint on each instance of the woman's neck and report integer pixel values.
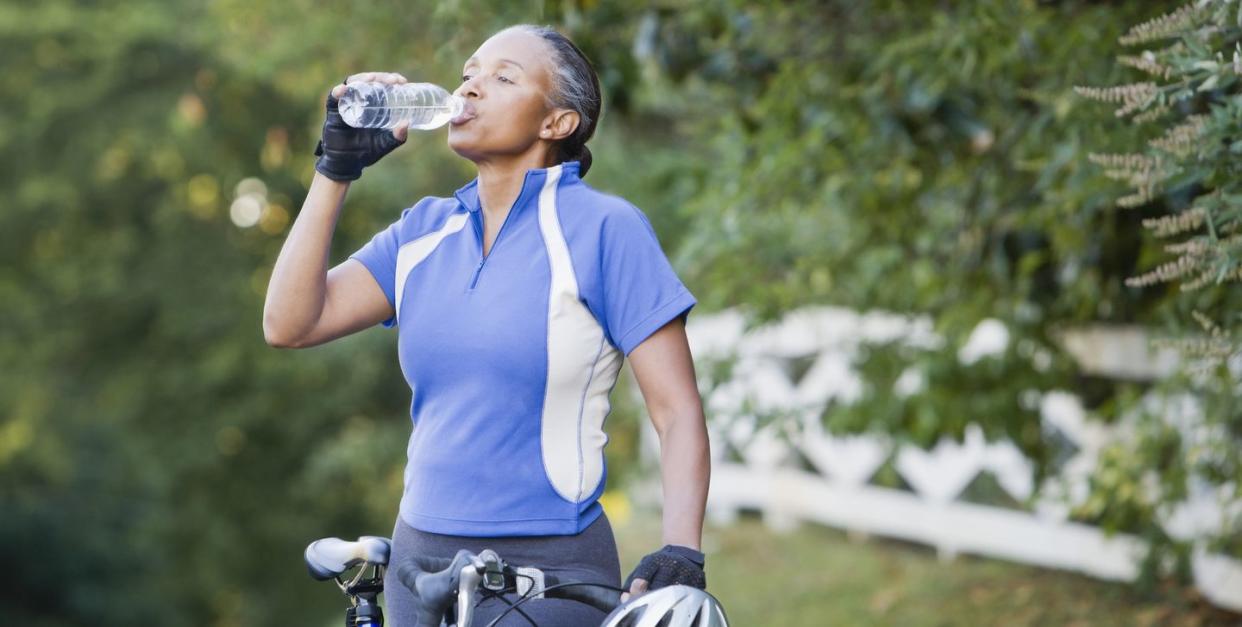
(500, 180)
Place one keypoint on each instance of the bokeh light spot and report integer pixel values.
(203, 193)
(246, 210)
(191, 109)
(274, 219)
(251, 185)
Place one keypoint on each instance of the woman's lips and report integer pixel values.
(467, 114)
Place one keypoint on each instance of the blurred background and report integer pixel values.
(933, 277)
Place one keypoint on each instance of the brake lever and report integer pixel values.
(467, 584)
(486, 568)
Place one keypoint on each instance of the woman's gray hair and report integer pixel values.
(575, 86)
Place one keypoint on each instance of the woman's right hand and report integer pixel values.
(344, 150)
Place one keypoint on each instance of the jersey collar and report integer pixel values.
(468, 195)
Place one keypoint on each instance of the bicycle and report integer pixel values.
(449, 590)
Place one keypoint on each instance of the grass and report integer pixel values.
(819, 577)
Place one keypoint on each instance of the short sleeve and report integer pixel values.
(379, 256)
(640, 288)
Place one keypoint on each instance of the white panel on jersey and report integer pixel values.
(414, 252)
(582, 368)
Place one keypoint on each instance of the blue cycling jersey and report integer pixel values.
(511, 357)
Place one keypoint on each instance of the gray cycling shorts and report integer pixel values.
(588, 556)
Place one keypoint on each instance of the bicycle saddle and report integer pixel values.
(329, 557)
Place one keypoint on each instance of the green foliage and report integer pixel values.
(1191, 97)
(949, 396)
(1185, 177)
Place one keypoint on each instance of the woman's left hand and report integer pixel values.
(671, 565)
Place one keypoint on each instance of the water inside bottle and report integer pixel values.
(369, 105)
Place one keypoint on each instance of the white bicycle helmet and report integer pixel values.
(670, 606)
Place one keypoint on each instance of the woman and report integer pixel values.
(515, 300)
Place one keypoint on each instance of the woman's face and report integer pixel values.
(505, 84)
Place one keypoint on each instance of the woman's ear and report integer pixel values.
(559, 124)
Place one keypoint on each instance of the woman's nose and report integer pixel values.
(468, 89)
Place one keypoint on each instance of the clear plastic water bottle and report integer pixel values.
(421, 106)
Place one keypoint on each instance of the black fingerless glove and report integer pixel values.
(344, 150)
(673, 564)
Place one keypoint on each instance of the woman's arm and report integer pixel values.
(665, 372)
(306, 304)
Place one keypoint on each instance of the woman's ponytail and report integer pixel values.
(580, 153)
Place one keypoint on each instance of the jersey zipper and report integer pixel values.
(477, 269)
(478, 228)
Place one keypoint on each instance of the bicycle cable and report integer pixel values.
(492, 594)
(526, 597)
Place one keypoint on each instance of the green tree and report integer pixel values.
(158, 458)
(1184, 178)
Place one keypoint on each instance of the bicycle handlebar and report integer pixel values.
(434, 580)
(582, 591)
(330, 557)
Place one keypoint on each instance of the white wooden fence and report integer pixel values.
(836, 490)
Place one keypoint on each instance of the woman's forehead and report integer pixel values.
(524, 50)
